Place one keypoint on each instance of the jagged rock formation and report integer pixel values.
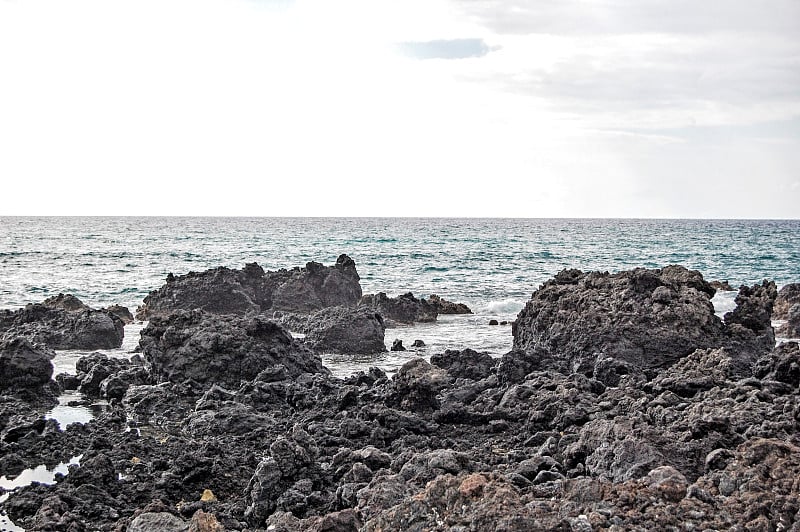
(788, 296)
(207, 348)
(646, 318)
(252, 290)
(401, 310)
(63, 322)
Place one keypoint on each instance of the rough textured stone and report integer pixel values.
(251, 289)
(224, 349)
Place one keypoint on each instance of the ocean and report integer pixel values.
(492, 265)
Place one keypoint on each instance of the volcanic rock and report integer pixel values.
(788, 296)
(226, 349)
(64, 322)
(467, 364)
(23, 365)
(791, 329)
(646, 318)
(722, 286)
(121, 312)
(401, 310)
(443, 306)
(344, 330)
(251, 289)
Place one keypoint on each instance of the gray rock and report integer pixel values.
(467, 364)
(788, 296)
(443, 306)
(401, 310)
(345, 330)
(64, 322)
(23, 365)
(251, 289)
(158, 522)
(212, 349)
(645, 318)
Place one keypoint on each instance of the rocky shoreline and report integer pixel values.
(625, 403)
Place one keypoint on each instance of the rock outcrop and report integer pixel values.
(788, 296)
(646, 318)
(207, 348)
(401, 310)
(64, 322)
(443, 306)
(24, 366)
(344, 330)
(252, 290)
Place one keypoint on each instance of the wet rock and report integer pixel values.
(251, 289)
(467, 364)
(63, 322)
(418, 343)
(209, 349)
(646, 318)
(788, 296)
(397, 345)
(401, 310)
(494, 322)
(443, 306)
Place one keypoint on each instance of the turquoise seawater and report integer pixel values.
(493, 265)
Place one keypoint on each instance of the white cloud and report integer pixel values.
(306, 108)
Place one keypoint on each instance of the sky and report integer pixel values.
(512, 108)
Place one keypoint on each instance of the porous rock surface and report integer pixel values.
(63, 322)
(206, 348)
(401, 310)
(701, 440)
(788, 296)
(253, 290)
(645, 318)
(345, 330)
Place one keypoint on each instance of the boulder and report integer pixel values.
(722, 286)
(208, 348)
(443, 306)
(63, 322)
(467, 364)
(23, 365)
(345, 330)
(401, 310)
(251, 289)
(788, 296)
(416, 386)
(646, 318)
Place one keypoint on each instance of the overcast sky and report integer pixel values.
(535, 108)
